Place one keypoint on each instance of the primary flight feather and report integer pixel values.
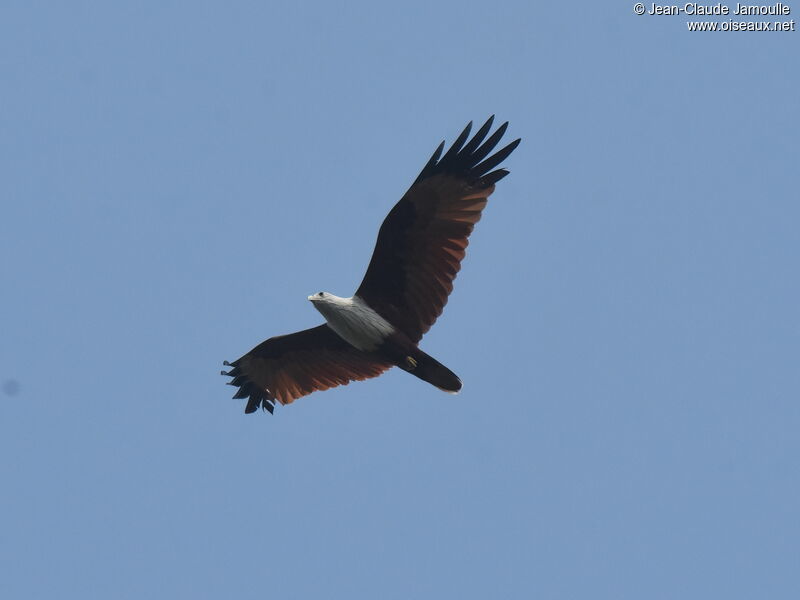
(417, 256)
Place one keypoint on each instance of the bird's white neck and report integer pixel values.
(353, 320)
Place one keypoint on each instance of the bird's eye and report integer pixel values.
(320, 294)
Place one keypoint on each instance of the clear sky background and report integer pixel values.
(177, 177)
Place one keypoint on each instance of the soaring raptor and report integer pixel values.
(417, 256)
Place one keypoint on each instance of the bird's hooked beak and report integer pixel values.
(312, 297)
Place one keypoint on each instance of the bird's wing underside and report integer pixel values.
(287, 367)
(424, 238)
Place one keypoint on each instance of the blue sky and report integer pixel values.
(177, 178)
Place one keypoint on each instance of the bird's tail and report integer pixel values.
(431, 370)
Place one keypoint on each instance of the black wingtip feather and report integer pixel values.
(465, 160)
(496, 158)
(478, 137)
(254, 403)
(489, 144)
(432, 160)
(256, 397)
(494, 176)
(454, 149)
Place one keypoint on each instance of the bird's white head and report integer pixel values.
(319, 297)
(328, 299)
(327, 303)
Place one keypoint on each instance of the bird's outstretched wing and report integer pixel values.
(424, 238)
(287, 367)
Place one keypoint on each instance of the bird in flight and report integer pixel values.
(420, 246)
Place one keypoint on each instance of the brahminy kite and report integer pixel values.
(418, 253)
